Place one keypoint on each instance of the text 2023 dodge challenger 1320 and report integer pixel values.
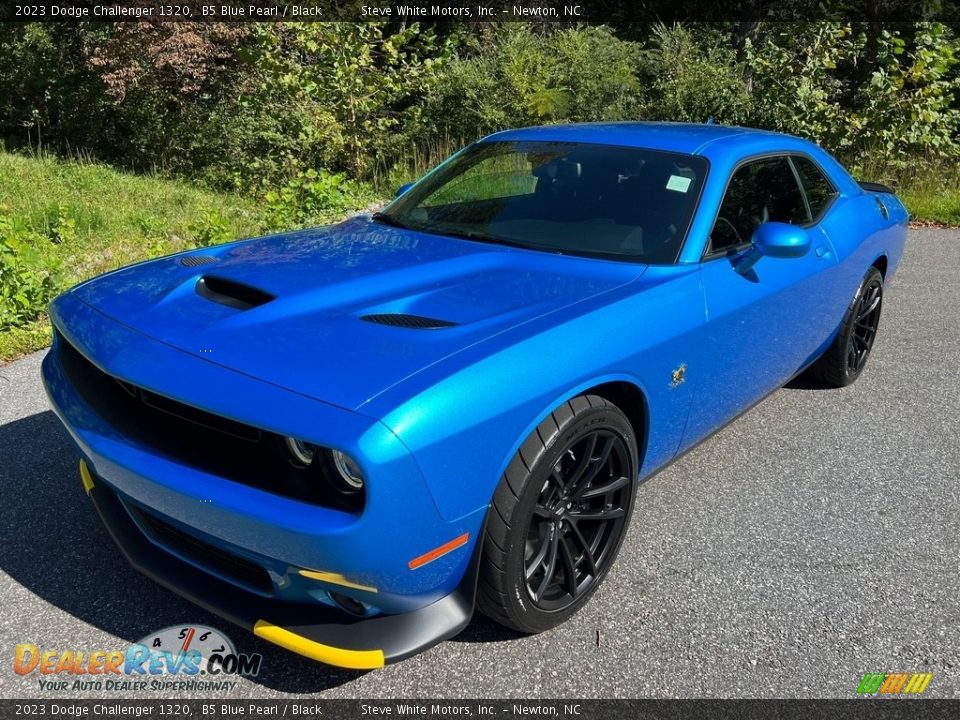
(345, 438)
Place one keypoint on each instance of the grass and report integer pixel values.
(99, 218)
(19, 341)
(930, 188)
(416, 162)
(88, 218)
(931, 203)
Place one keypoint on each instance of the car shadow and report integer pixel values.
(483, 630)
(804, 382)
(55, 547)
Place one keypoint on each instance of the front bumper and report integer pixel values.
(302, 552)
(318, 632)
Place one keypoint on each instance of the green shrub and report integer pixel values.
(517, 74)
(28, 279)
(882, 98)
(62, 225)
(314, 197)
(351, 87)
(691, 76)
(212, 228)
(265, 136)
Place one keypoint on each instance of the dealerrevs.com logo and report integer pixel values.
(180, 657)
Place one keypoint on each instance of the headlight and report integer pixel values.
(341, 470)
(348, 470)
(301, 454)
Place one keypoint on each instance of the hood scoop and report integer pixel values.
(231, 293)
(412, 322)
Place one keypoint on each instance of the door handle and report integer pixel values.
(822, 250)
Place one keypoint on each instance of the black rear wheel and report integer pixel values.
(559, 516)
(846, 357)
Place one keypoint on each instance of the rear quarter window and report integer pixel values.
(819, 190)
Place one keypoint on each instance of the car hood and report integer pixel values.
(306, 294)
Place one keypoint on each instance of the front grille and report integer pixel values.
(195, 416)
(413, 322)
(223, 563)
(211, 443)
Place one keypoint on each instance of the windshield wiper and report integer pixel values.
(385, 219)
(480, 237)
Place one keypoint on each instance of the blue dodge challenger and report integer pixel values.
(346, 438)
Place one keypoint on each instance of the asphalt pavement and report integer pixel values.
(813, 540)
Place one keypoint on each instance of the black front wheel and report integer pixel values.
(845, 359)
(559, 515)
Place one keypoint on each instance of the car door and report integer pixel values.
(764, 324)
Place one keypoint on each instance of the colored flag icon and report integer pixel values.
(894, 683)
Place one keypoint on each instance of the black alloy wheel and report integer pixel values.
(847, 355)
(558, 516)
(866, 323)
(578, 520)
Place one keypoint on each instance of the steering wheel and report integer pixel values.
(732, 227)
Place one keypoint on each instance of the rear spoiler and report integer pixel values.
(875, 187)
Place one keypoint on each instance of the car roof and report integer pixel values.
(708, 139)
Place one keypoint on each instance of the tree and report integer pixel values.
(369, 83)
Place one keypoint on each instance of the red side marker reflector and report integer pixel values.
(438, 552)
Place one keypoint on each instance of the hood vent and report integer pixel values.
(232, 294)
(414, 322)
(198, 260)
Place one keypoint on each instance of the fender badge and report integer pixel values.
(678, 376)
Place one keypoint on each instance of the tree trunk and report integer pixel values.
(747, 28)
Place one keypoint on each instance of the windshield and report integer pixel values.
(607, 201)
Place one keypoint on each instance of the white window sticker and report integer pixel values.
(677, 183)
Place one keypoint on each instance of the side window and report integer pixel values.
(761, 191)
(820, 193)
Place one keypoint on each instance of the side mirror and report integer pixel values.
(776, 240)
(781, 240)
(402, 189)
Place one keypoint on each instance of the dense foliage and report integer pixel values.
(254, 107)
(302, 122)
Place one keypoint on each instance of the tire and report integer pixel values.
(558, 516)
(844, 360)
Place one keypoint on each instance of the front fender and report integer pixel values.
(465, 423)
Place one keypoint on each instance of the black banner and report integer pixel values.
(436, 11)
(854, 709)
